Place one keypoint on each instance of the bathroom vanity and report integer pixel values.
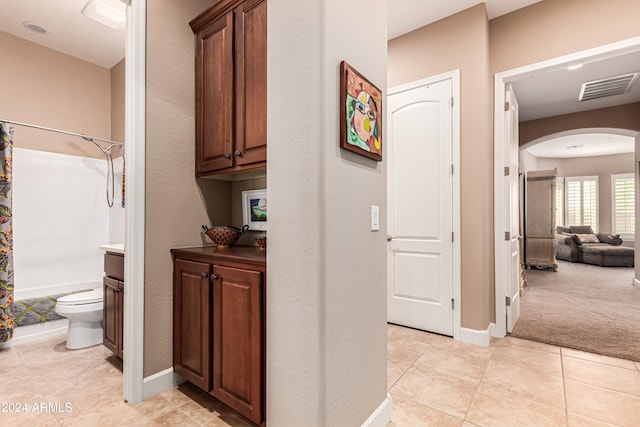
(113, 300)
(219, 324)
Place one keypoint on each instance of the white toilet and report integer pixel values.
(84, 311)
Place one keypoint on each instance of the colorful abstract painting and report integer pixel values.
(360, 114)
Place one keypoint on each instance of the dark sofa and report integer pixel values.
(581, 244)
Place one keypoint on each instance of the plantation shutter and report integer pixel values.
(624, 204)
(559, 201)
(582, 201)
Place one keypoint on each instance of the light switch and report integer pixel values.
(375, 218)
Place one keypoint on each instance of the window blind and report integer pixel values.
(624, 221)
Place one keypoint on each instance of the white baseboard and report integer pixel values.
(636, 282)
(29, 333)
(159, 382)
(477, 337)
(383, 414)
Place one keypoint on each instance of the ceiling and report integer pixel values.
(543, 94)
(69, 31)
(584, 145)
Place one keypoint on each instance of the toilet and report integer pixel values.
(84, 311)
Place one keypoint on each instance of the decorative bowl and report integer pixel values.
(261, 242)
(224, 236)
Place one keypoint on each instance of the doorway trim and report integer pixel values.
(135, 134)
(500, 81)
(454, 75)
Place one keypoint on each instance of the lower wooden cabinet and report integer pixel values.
(112, 314)
(219, 324)
(113, 303)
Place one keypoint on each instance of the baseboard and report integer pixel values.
(636, 282)
(159, 382)
(383, 414)
(477, 337)
(29, 333)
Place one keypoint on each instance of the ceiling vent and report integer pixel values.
(607, 87)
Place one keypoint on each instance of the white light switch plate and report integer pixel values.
(375, 218)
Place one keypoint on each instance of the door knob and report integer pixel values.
(237, 154)
(203, 275)
(227, 155)
(389, 238)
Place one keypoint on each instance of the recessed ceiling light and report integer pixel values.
(34, 27)
(107, 12)
(574, 67)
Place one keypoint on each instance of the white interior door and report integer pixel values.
(420, 212)
(512, 214)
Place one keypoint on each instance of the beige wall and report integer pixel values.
(326, 286)
(553, 28)
(51, 89)
(462, 42)
(601, 166)
(176, 203)
(117, 74)
(621, 117)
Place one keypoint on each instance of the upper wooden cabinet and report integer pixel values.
(231, 87)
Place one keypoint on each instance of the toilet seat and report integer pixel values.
(82, 298)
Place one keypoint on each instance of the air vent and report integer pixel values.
(607, 87)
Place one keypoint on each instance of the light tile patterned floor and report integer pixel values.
(433, 380)
(90, 381)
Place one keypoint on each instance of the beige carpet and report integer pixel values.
(585, 307)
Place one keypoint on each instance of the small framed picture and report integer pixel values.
(360, 114)
(254, 209)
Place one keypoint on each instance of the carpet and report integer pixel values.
(584, 307)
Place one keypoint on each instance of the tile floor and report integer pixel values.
(433, 380)
(90, 381)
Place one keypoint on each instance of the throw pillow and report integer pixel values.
(581, 229)
(611, 239)
(562, 230)
(574, 237)
(587, 238)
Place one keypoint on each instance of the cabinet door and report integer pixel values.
(120, 319)
(214, 95)
(238, 346)
(110, 310)
(191, 322)
(251, 82)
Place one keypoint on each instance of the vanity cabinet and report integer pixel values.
(113, 302)
(219, 324)
(231, 87)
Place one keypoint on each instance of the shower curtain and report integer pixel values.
(6, 234)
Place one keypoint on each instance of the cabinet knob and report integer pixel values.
(227, 155)
(237, 154)
(203, 275)
(213, 277)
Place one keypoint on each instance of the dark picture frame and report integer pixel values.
(360, 114)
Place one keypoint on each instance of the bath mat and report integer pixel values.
(31, 311)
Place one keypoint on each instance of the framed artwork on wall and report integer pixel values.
(360, 114)
(254, 209)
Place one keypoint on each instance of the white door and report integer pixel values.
(512, 214)
(420, 187)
